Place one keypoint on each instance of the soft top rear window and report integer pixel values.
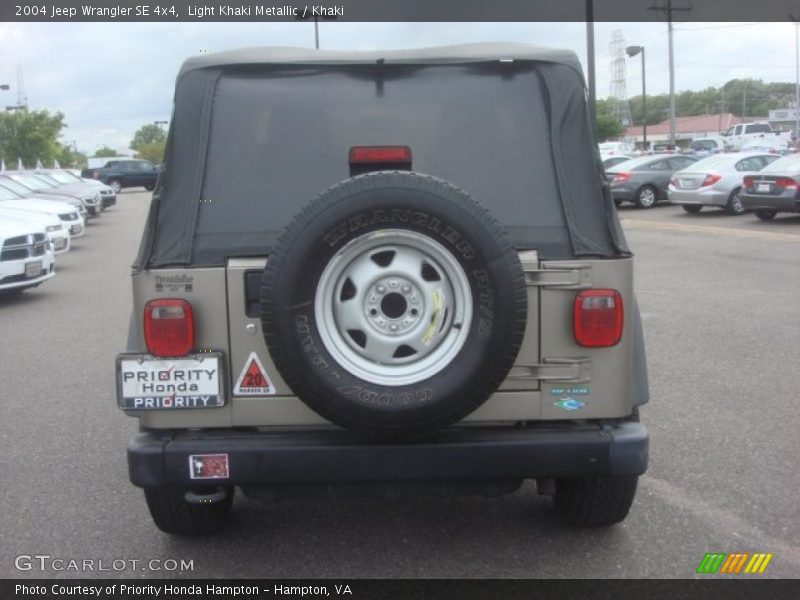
(278, 139)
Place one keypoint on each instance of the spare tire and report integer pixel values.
(393, 303)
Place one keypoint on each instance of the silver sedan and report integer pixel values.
(716, 181)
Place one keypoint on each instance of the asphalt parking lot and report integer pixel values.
(719, 300)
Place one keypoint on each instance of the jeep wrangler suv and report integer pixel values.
(375, 271)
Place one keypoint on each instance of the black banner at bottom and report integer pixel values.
(378, 589)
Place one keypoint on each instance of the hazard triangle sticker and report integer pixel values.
(254, 380)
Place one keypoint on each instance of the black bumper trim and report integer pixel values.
(333, 456)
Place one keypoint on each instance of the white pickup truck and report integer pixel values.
(758, 132)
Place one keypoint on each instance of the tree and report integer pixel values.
(154, 151)
(70, 158)
(105, 151)
(608, 127)
(146, 135)
(30, 135)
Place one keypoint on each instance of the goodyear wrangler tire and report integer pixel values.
(393, 304)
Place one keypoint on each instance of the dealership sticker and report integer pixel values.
(569, 404)
(254, 380)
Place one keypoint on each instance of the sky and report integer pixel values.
(111, 78)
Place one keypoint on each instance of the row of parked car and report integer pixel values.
(737, 182)
(41, 212)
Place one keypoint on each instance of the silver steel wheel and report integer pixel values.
(647, 197)
(393, 307)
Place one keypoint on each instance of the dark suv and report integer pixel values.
(124, 173)
(388, 272)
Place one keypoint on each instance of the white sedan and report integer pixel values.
(26, 259)
(66, 213)
(57, 234)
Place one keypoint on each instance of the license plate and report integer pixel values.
(33, 268)
(763, 187)
(685, 183)
(146, 382)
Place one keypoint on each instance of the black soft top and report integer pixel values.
(256, 133)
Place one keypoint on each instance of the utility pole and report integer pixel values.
(669, 9)
(744, 103)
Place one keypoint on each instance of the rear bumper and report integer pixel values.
(335, 456)
(702, 197)
(785, 203)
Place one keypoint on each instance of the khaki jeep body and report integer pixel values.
(334, 236)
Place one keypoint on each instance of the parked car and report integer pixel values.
(26, 259)
(644, 180)
(25, 192)
(66, 213)
(611, 161)
(702, 147)
(67, 178)
(663, 148)
(764, 147)
(124, 173)
(774, 189)
(417, 322)
(716, 181)
(614, 148)
(54, 229)
(91, 201)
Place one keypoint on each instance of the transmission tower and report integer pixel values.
(619, 95)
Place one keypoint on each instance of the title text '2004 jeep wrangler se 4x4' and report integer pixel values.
(374, 271)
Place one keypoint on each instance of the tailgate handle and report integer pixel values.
(576, 370)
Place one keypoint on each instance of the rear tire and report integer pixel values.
(734, 205)
(692, 209)
(646, 196)
(115, 185)
(766, 215)
(173, 514)
(595, 501)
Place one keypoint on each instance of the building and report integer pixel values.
(686, 128)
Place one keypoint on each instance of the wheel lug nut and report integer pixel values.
(406, 289)
(381, 289)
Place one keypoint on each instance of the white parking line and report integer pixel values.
(729, 231)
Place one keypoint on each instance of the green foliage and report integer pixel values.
(105, 151)
(748, 98)
(30, 135)
(69, 158)
(146, 136)
(154, 151)
(608, 127)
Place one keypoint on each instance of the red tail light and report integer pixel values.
(748, 182)
(379, 154)
(168, 327)
(786, 183)
(597, 318)
(620, 177)
(710, 180)
(673, 181)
